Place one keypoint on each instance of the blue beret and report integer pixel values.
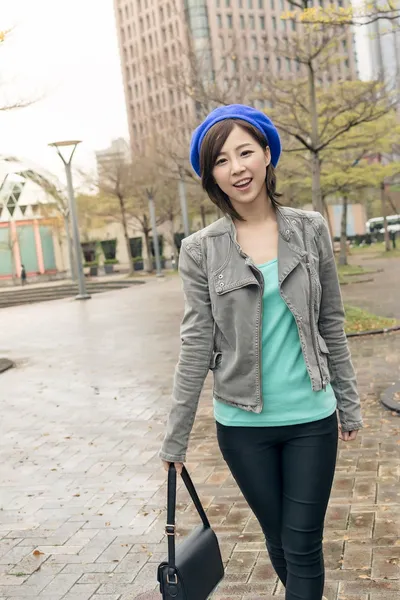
(236, 111)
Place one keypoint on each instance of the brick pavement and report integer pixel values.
(83, 495)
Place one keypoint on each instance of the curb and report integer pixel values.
(387, 398)
(5, 364)
(373, 331)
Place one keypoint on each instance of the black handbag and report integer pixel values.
(192, 571)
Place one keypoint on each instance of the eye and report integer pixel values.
(246, 152)
(220, 161)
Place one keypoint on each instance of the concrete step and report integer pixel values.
(25, 295)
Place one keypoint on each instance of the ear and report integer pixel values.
(267, 153)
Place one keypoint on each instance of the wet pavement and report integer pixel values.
(82, 493)
(381, 295)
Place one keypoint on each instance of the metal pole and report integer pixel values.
(153, 221)
(184, 208)
(70, 249)
(83, 295)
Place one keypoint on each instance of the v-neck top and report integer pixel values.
(288, 398)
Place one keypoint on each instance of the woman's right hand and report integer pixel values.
(178, 466)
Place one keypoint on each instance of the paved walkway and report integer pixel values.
(381, 295)
(82, 492)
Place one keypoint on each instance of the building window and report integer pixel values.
(228, 3)
(283, 24)
(250, 3)
(260, 3)
(266, 63)
(256, 63)
(252, 22)
(241, 22)
(282, 2)
(347, 63)
(272, 4)
(262, 22)
(278, 63)
(240, 3)
(288, 64)
(161, 14)
(254, 42)
(230, 21)
(221, 42)
(219, 21)
(293, 23)
(274, 23)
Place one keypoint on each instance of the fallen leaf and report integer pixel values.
(37, 553)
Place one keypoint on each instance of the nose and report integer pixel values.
(236, 166)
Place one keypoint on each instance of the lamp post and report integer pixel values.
(70, 147)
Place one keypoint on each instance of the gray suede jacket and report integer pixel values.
(221, 327)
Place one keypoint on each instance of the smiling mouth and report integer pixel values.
(244, 183)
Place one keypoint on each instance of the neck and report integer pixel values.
(256, 213)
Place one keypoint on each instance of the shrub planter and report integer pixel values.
(138, 264)
(109, 265)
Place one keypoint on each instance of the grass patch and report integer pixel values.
(375, 251)
(358, 320)
(348, 273)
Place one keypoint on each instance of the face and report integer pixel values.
(240, 168)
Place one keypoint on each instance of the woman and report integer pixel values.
(263, 310)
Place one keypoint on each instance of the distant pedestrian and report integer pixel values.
(23, 275)
(263, 311)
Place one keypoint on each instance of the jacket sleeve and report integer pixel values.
(331, 326)
(197, 341)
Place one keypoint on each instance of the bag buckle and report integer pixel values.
(172, 582)
(170, 529)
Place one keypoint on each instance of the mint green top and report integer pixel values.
(288, 398)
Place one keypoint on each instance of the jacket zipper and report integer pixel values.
(313, 333)
(260, 313)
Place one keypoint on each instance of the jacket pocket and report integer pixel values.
(221, 287)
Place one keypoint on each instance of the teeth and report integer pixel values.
(242, 183)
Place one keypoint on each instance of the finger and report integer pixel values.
(352, 435)
(345, 436)
(179, 468)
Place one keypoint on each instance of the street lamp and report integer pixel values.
(69, 147)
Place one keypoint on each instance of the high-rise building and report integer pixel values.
(118, 151)
(225, 36)
(384, 50)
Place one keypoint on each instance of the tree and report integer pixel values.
(115, 183)
(5, 103)
(314, 114)
(349, 171)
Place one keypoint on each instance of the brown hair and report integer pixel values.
(210, 150)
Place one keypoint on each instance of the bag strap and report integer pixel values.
(171, 509)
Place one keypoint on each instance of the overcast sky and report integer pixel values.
(67, 52)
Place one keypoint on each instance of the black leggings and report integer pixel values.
(285, 474)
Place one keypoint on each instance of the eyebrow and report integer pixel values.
(238, 147)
